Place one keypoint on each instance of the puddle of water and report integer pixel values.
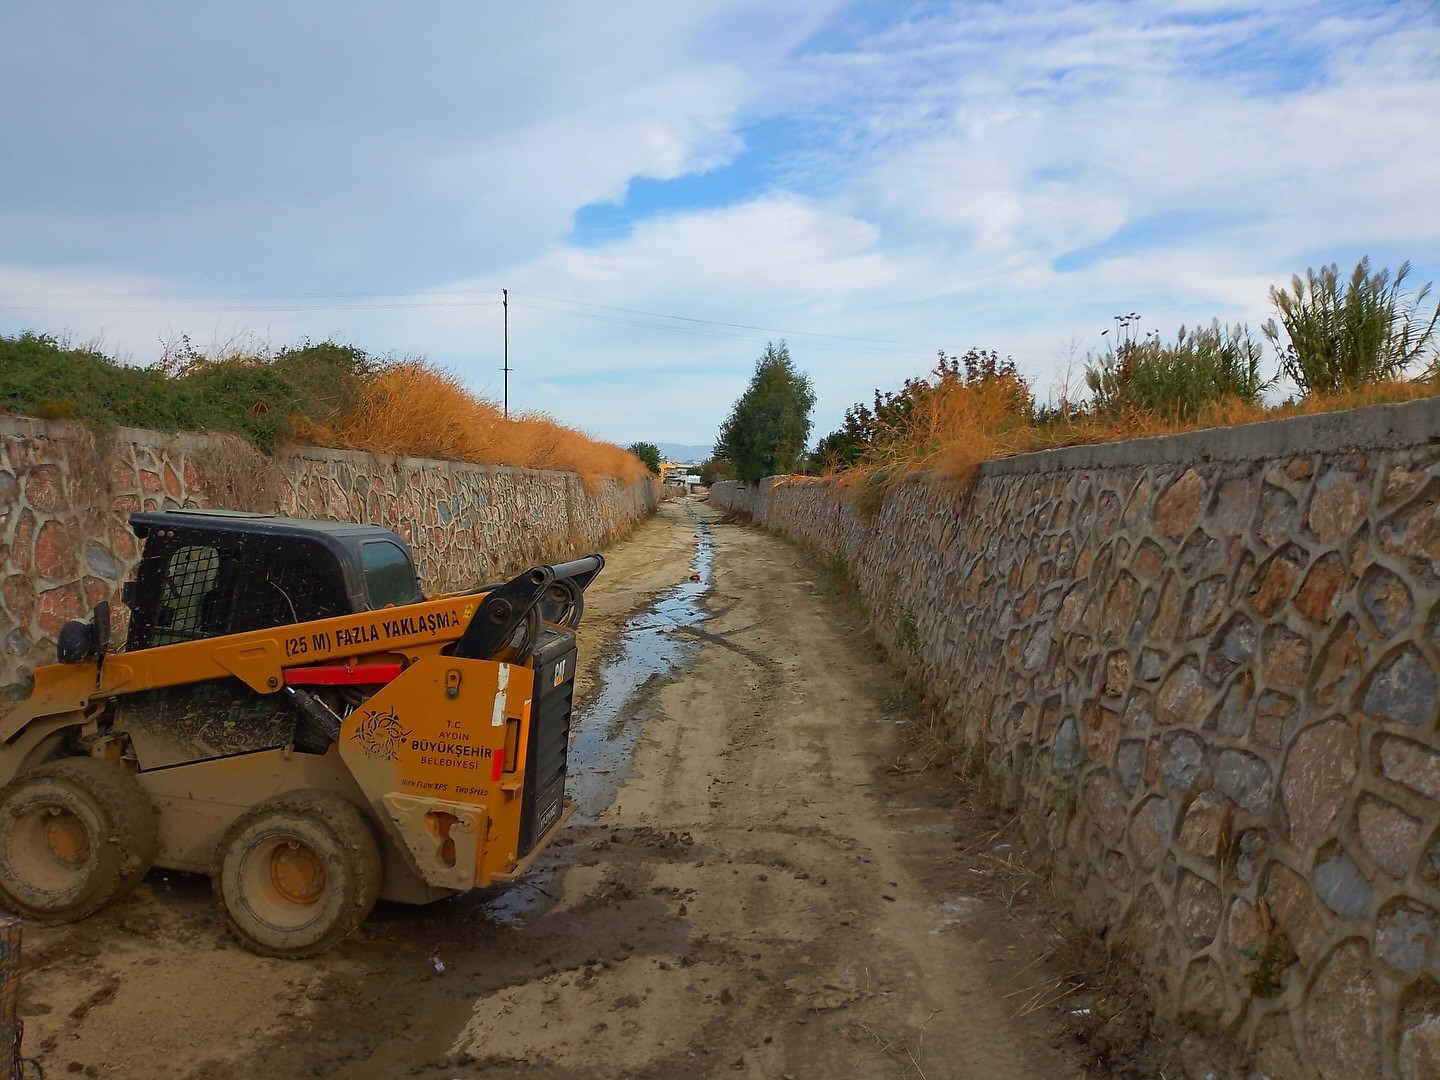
(603, 752)
(956, 911)
(512, 905)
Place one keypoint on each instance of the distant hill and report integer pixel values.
(683, 452)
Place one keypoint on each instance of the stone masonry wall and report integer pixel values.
(66, 495)
(1205, 670)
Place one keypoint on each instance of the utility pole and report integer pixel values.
(505, 303)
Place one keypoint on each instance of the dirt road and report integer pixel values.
(761, 897)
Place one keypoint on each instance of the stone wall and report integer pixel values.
(1205, 670)
(66, 495)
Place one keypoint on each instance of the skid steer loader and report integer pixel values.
(291, 716)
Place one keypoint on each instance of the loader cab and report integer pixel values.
(208, 573)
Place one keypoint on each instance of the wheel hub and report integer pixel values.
(65, 837)
(297, 872)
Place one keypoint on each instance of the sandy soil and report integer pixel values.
(766, 898)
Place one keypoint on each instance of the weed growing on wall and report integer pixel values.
(1269, 960)
(1202, 368)
(1343, 345)
(838, 582)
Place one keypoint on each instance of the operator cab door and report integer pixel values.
(208, 585)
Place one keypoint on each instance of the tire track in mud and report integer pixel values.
(797, 940)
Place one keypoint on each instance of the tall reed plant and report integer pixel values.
(1336, 335)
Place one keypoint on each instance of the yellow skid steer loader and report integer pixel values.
(291, 716)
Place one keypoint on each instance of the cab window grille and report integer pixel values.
(285, 585)
(231, 585)
(186, 599)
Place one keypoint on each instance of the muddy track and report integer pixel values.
(756, 895)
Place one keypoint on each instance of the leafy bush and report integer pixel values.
(713, 470)
(329, 378)
(252, 400)
(1206, 366)
(1344, 346)
(41, 377)
(914, 422)
(1335, 337)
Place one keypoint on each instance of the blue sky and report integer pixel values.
(663, 187)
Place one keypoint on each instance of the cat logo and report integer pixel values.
(560, 671)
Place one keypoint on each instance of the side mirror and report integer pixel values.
(80, 640)
(76, 642)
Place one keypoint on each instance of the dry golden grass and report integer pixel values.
(952, 432)
(412, 408)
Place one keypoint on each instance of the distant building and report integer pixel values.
(679, 476)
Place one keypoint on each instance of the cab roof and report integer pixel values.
(242, 521)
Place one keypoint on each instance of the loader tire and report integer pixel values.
(297, 873)
(75, 835)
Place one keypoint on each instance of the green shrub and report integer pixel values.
(714, 470)
(250, 399)
(255, 397)
(910, 418)
(1204, 366)
(328, 378)
(1334, 337)
(41, 377)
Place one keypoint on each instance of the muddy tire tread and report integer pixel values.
(133, 834)
(355, 834)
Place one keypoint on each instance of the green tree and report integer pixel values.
(649, 453)
(769, 426)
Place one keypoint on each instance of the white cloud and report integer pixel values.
(1183, 156)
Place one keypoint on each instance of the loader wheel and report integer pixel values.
(297, 873)
(75, 835)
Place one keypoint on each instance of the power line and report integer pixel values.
(185, 297)
(740, 326)
(459, 298)
(120, 306)
(839, 344)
